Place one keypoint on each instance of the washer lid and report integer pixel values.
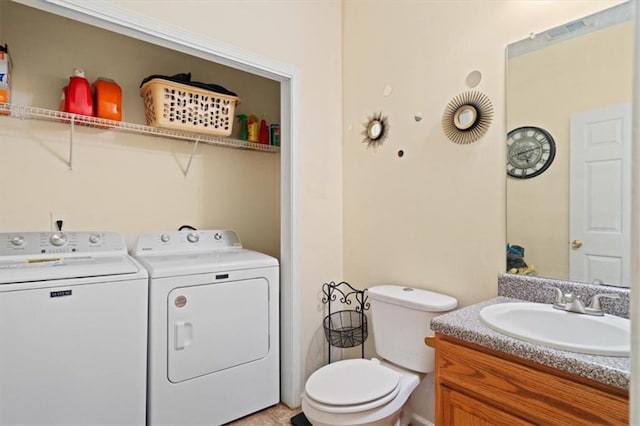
(58, 268)
(174, 264)
(351, 382)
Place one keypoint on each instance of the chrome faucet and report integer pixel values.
(558, 300)
(571, 303)
(595, 308)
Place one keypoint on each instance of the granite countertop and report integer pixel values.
(465, 324)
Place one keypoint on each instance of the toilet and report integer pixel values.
(376, 392)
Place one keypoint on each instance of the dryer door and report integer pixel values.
(216, 326)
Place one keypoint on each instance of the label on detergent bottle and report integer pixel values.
(5, 78)
(275, 134)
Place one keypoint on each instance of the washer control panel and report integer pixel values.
(34, 243)
(188, 240)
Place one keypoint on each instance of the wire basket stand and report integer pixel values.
(345, 328)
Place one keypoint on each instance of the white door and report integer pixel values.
(600, 194)
(216, 326)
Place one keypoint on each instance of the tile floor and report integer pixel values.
(277, 415)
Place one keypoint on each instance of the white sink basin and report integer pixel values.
(540, 323)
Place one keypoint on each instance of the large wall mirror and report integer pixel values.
(569, 211)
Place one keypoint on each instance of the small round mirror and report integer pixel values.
(374, 129)
(465, 117)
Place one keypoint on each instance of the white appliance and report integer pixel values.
(372, 392)
(213, 327)
(73, 330)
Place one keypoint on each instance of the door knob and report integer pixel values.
(576, 244)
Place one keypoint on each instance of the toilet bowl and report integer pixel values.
(359, 392)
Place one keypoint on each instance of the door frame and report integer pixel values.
(111, 17)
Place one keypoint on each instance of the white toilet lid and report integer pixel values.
(351, 382)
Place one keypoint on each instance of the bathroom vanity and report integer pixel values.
(480, 386)
(484, 377)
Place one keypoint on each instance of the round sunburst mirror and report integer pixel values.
(376, 129)
(467, 117)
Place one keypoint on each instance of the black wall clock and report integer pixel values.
(530, 151)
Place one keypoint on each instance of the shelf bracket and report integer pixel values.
(193, 151)
(72, 124)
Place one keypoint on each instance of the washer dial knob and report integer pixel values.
(17, 241)
(193, 237)
(58, 239)
(217, 236)
(165, 238)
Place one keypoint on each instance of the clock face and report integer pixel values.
(530, 151)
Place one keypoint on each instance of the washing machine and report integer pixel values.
(73, 330)
(213, 327)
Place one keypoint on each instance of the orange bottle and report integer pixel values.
(108, 96)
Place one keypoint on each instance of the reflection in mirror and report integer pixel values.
(571, 222)
(465, 117)
(374, 129)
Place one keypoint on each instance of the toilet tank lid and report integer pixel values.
(424, 300)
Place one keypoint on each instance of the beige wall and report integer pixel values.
(544, 88)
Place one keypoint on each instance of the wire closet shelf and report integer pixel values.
(34, 113)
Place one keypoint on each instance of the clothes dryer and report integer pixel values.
(73, 330)
(213, 327)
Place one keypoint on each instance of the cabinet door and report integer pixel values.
(521, 388)
(459, 409)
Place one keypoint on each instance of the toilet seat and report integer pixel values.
(351, 386)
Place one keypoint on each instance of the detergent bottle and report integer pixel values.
(76, 97)
(264, 132)
(108, 99)
(5, 78)
(253, 128)
(243, 126)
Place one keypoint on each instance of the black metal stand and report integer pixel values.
(300, 420)
(345, 328)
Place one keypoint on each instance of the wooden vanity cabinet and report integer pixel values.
(476, 386)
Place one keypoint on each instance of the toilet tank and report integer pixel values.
(401, 318)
